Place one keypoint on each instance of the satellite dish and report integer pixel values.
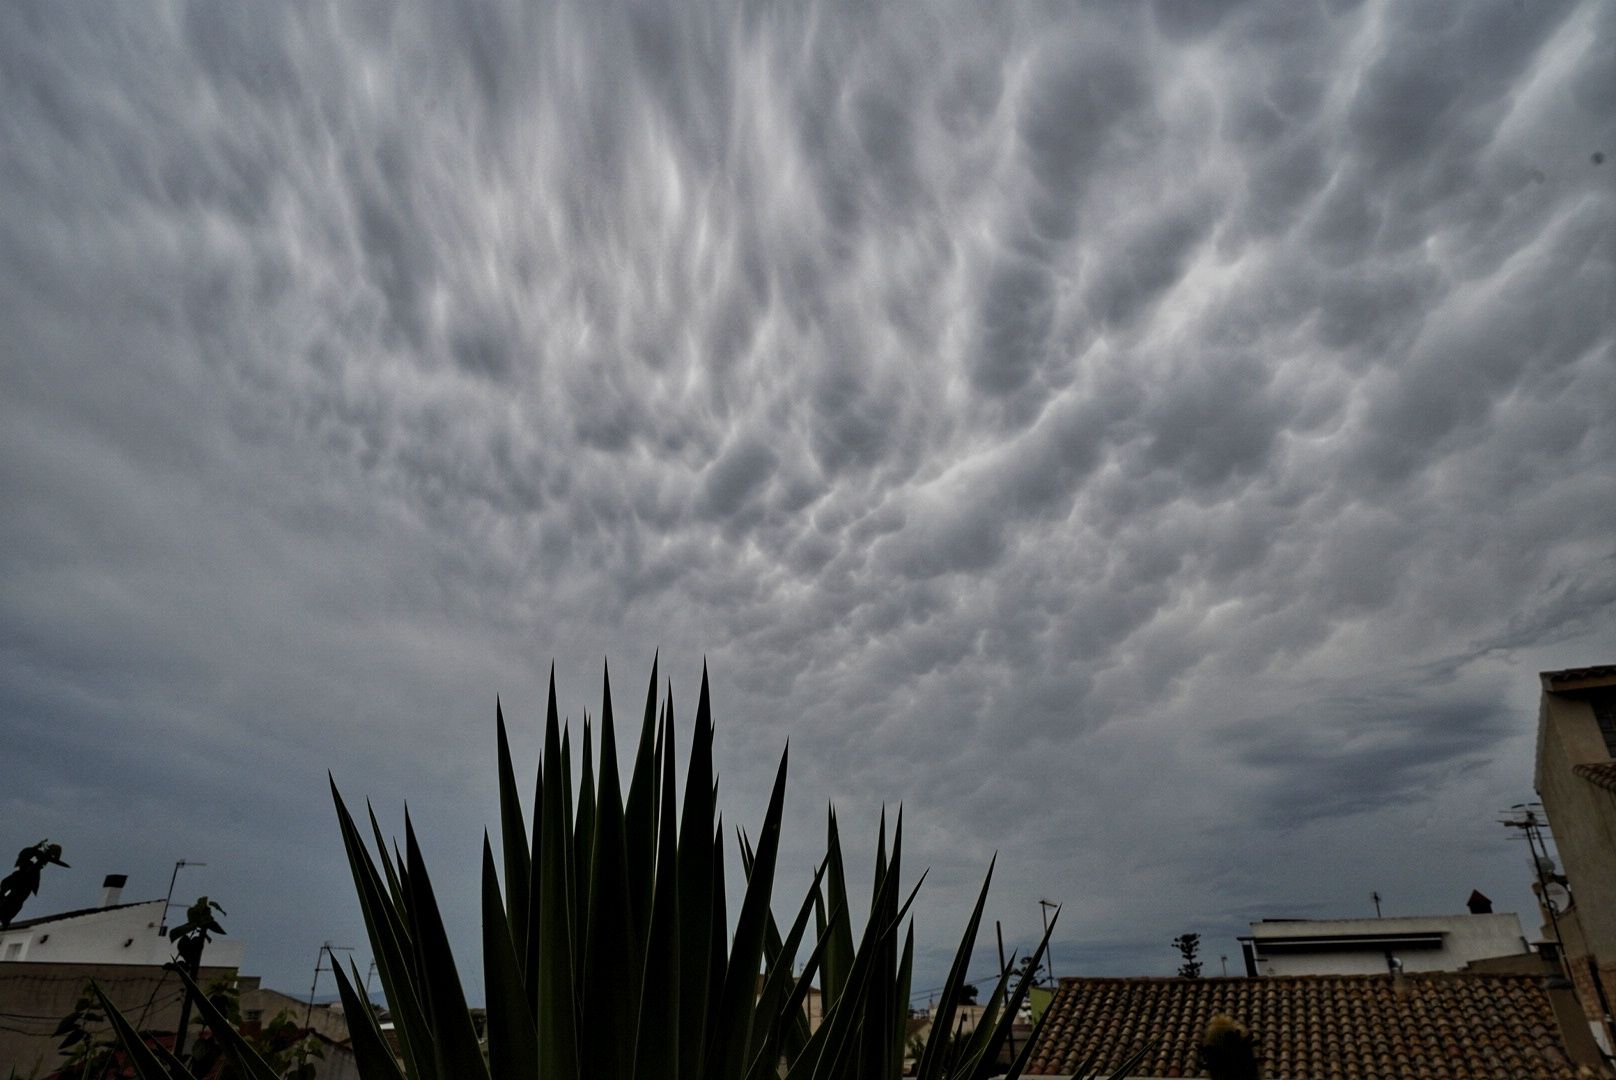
(1558, 896)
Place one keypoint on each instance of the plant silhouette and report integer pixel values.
(23, 882)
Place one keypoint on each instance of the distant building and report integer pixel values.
(1376, 946)
(1317, 1027)
(260, 1006)
(1576, 779)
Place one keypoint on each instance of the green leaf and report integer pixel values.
(612, 964)
(900, 1014)
(390, 946)
(772, 1019)
(557, 1008)
(372, 1056)
(147, 1064)
(1001, 1028)
(931, 1063)
(838, 959)
(513, 1043)
(640, 814)
(740, 987)
(513, 841)
(454, 1037)
(695, 870)
(657, 1043)
(833, 1046)
(532, 957)
(235, 1048)
(583, 853)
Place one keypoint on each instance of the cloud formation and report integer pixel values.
(1159, 443)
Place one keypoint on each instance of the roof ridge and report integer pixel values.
(21, 924)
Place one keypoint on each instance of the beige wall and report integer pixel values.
(270, 1003)
(1582, 816)
(35, 997)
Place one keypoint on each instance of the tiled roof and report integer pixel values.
(1315, 1027)
(1602, 773)
(1573, 677)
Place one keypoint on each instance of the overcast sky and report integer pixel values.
(1159, 444)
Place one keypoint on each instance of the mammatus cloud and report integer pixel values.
(1159, 443)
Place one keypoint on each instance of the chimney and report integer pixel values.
(1478, 903)
(114, 889)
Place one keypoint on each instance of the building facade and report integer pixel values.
(1576, 781)
(1280, 947)
(121, 934)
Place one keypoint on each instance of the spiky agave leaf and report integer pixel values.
(615, 963)
(147, 1065)
(371, 1055)
(612, 958)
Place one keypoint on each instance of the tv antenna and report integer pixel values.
(326, 949)
(1049, 954)
(168, 901)
(1525, 817)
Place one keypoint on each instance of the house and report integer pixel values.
(46, 963)
(1576, 780)
(1376, 946)
(111, 933)
(35, 996)
(1436, 1026)
(260, 1005)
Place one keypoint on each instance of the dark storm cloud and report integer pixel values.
(1157, 442)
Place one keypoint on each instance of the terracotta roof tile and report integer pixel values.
(1602, 773)
(1355, 1027)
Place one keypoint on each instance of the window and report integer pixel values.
(14, 950)
(1605, 712)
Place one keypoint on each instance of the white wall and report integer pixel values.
(119, 935)
(1464, 938)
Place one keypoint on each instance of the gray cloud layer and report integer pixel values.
(1158, 443)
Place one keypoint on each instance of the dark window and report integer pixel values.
(1605, 712)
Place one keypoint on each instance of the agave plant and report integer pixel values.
(607, 951)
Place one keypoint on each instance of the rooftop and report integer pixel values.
(1581, 678)
(22, 924)
(1316, 1027)
(1600, 773)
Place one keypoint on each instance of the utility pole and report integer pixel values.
(1004, 975)
(1049, 953)
(326, 949)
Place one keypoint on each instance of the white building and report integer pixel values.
(1375, 946)
(114, 933)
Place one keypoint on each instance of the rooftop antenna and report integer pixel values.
(1049, 954)
(1375, 896)
(326, 948)
(168, 901)
(1225, 960)
(1523, 816)
(371, 971)
(1004, 975)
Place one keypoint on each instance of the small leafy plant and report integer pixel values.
(606, 946)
